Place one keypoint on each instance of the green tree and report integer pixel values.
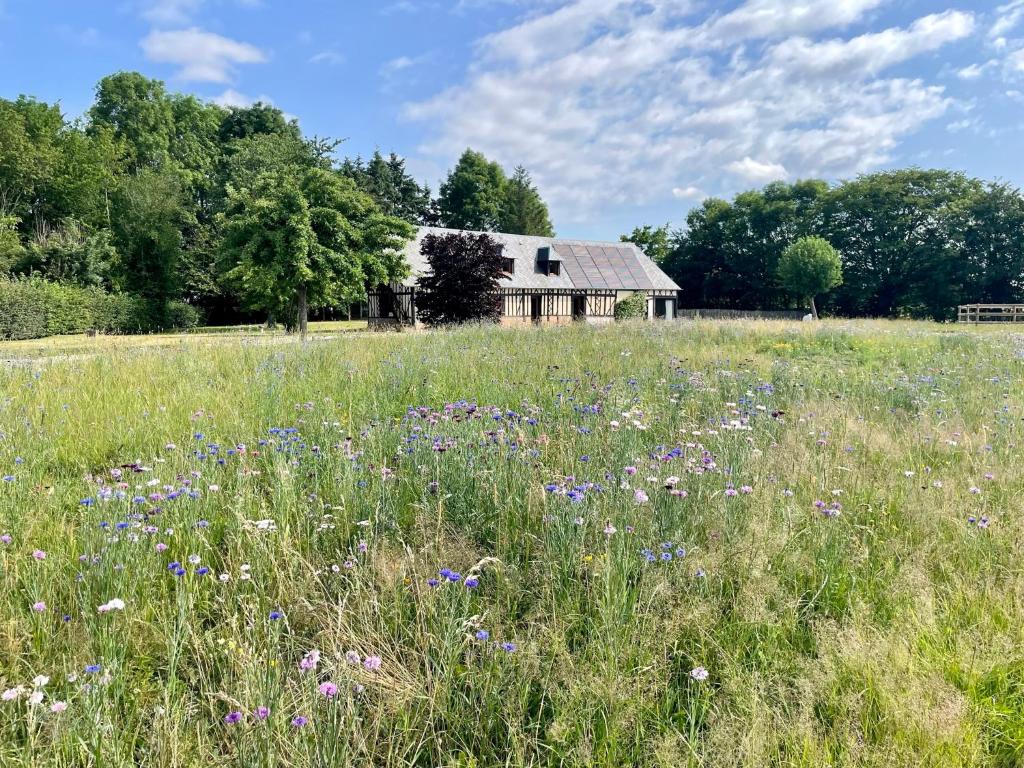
(653, 241)
(258, 119)
(291, 243)
(462, 284)
(473, 194)
(728, 253)
(139, 113)
(70, 253)
(523, 212)
(11, 249)
(391, 187)
(809, 267)
(901, 236)
(148, 218)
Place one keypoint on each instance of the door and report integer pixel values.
(660, 308)
(579, 307)
(535, 303)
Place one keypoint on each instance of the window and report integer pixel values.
(545, 264)
(509, 267)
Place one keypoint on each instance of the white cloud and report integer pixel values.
(874, 52)
(397, 65)
(756, 171)
(169, 12)
(687, 193)
(327, 57)
(1007, 18)
(974, 71)
(232, 98)
(624, 101)
(201, 56)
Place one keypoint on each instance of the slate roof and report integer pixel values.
(586, 264)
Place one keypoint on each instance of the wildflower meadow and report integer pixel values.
(684, 544)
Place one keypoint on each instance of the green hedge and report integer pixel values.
(31, 308)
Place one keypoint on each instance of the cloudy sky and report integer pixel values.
(625, 111)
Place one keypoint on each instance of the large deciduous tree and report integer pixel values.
(810, 267)
(148, 214)
(306, 239)
(655, 242)
(139, 113)
(462, 284)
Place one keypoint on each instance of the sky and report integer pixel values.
(624, 111)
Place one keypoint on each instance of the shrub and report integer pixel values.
(632, 308)
(181, 316)
(31, 308)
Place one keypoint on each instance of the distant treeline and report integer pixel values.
(913, 243)
(155, 196)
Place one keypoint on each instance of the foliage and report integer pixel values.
(11, 249)
(136, 109)
(523, 212)
(70, 253)
(808, 267)
(149, 211)
(633, 307)
(31, 308)
(394, 191)
(290, 245)
(653, 241)
(473, 194)
(912, 242)
(462, 284)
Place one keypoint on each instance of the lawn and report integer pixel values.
(691, 544)
(80, 344)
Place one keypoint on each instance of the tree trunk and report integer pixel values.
(302, 314)
(814, 309)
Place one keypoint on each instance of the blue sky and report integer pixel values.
(625, 111)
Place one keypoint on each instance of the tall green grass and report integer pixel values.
(326, 487)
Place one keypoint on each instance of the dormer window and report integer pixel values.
(547, 265)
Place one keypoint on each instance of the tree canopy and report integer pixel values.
(523, 212)
(808, 267)
(462, 284)
(912, 242)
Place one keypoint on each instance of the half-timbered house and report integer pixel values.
(547, 280)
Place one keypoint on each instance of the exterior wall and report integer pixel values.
(395, 306)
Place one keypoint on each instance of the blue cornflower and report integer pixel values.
(173, 566)
(470, 583)
(88, 502)
(202, 571)
(179, 572)
(508, 647)
(453, 576)
(121, 526)
(432, 582)
(681, 552)
(482, 635)
(275, 615)
(8, 478)
(666, 556)
(138, 500)
(92, 669)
